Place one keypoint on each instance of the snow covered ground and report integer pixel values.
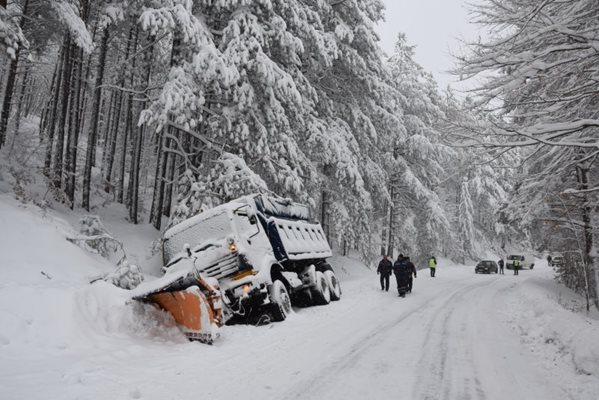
(457, 336)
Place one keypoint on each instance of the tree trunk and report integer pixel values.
(324, 208)
(8, 93)
(46, 111)
(70, 170)
(128, 118)
(391, 240)
(93, 133)
(169, 176)
(384, 232)
(114, 134)
(164, 156)
(107, 118)
(10, 83)
(582, 174)
(85, 85)
(58, 152)
(136, 159)
(51, 124)
(108, 184)
(20, 104)
(158, 195)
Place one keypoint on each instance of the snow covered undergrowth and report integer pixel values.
(550, 321)
(457, 335)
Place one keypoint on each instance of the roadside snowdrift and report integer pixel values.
(551, 322)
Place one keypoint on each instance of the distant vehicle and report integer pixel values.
(486, 267)
(557, 260)
(525, 263)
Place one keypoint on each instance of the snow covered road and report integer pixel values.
(457, 336)
(448, 340)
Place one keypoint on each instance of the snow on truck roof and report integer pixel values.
(267, 205)
(189, 222)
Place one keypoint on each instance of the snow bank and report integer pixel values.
(551, 320)
(46, 301)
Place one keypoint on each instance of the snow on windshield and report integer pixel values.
(212, 228)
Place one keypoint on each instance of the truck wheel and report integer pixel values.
(321, 295)
(334, 286)
(281, 302)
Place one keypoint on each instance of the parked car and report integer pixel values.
(486, 267)
(526, 262)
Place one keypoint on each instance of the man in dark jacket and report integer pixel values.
(500, 263)
(400, 269)
(384, 271)
(411, 273)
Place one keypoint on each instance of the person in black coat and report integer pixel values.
(411, 273)
(384, 271)
(402, 274)
(500, 263)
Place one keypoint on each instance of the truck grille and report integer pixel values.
(222, 268)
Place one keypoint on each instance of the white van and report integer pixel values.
(526, 261)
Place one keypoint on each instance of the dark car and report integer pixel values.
(486, 267)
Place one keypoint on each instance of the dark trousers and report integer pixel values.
(402, 283)
(516, 270)
(501, 270)
(433, 272)
(384, 282)
(410, 282)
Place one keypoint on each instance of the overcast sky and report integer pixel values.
(434, 26)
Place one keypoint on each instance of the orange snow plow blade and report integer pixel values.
(194, 304)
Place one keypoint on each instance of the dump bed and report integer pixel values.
(297, 240)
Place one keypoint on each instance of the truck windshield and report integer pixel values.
(210, 229)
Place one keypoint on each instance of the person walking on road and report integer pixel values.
(500, 263)
(400, 269)
(432, 264)
(384, 270)
(516, 265)
(412, 273)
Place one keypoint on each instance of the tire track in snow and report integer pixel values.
(311, 387)
(435, 381)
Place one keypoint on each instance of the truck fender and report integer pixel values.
(323, 266)
(290, 279)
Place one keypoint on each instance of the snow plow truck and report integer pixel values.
(246, 261)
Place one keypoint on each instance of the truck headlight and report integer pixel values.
(243, 290)
(232, 245)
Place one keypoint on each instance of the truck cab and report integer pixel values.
(265, 253)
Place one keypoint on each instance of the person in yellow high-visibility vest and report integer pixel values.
(432, 264)
(516, 264)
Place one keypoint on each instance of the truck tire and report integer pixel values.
(334, 286)
(281, 302)
(321, 295)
